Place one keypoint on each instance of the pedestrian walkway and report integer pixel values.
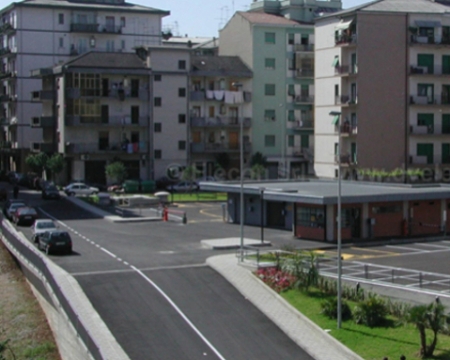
(232, 243)
(317, 342)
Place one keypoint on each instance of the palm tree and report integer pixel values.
(430, 316)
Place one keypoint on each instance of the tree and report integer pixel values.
(55, 164)
(258, 159)
(223, 161)
(37, 162)
(430, 316)
(116, 171)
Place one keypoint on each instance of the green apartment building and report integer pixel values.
(276, 41)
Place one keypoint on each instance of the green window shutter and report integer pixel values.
(291, 89)
(269, 37)
(427, 61)
(304, 140)
(446, 123)
(291, 115)
(270, 63)
(426, 120)
(291, 140)
(446, 64)
(335, 119)
(269, 89)
(426, 150)
(335, 61)
(446, 153)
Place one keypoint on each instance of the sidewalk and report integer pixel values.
(317, 342)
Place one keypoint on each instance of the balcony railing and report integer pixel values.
(348, 129)
(303, 152)
(429, 100)
(7, 28)
(219, 121)
(347, 159)
(198, 148)
(303, 47)
(304, 72)
(78, 27)
(428, 160)
(113, 147)
(307, 123)
(219, 95)
(430, 40)
(345, 100)
(431, 129)
(121, 94)
(304, 99)
(42, 95)
(346, 70)
(345, 39)
(120, 121)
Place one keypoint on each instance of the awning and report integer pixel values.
(335, 61)
(336, 119)
(429, 24)
(343, 25)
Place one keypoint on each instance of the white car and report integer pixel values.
(12, 208)
(40, 226)
(77, 189)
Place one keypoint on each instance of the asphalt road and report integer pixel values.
(150, 284)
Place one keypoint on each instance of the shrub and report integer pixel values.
(330, 309)
(370, 312)
(278, 280)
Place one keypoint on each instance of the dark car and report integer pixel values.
(24, 215)
(11, 209)
(53, 242)
(50, 192)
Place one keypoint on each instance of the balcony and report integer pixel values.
(347, 129)
(43, 121)
(304, 73)
(302, 152)
(429, 100)
(42, 95)
(434, 40)
(345, 39)
(140, 147)
(5, 51)
(219, 121)
(7, 29)
(427, 160)
(42, 147)
(304, 47)
(5, 75)
(304, 99)
(346, 70)
(121, 94)
(303, 124)
(119, 121)
(86, 28)
(346, 160)
(345, 100)
(227, 97)
(5, 98)
(5, 144)
(200, 148)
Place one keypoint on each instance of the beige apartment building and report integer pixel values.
(384, 68)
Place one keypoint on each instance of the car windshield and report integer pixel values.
(61, 236)
(51, 188)
(45, 225)
(17, 205)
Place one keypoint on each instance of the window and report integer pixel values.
(270, 63)
(182, 118)
(158, 154)
(182, 64)
(269, 140)
(269, 89)
(426, 150)
(122, 21)
(135, 114)
(426, 120)
(60, 19)
(291, 115)
(182, 92)
(181, 145)
(335, 61)
(391, 209)
(157, 127)
(61, 42)
(269, 38)
(291, 90)
(426, 62)
(158, 101)
(310, 217)
(291, 39)
(291, 140)
(269, 115)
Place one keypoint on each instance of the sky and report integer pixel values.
(199, 18)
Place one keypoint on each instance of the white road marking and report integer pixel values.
(407, 248)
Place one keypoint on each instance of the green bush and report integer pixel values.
(371, 312)
(330, 308)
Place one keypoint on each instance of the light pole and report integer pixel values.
(261, 193)
(337, 115)
(241, 160)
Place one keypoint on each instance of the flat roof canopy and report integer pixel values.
(324, 192)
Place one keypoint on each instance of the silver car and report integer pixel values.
(40, 226)
(80, 189)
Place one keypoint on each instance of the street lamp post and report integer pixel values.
(261, 193)
(339, 225)
(241, 170)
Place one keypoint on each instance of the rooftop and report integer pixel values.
(219, 65)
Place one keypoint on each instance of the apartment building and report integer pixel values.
(220, 107)
(39, 34)
(276, 41)
(384, 68)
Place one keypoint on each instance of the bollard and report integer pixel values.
(184, 218)
(165, 214)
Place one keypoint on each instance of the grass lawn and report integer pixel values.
(392, 340)
(197, 196)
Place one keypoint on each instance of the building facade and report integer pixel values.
(276, 41)
(38, 34)
(383, 68)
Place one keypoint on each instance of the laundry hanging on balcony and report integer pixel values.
(219, 95)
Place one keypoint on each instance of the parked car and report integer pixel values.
(164, 182)
(24, 215)
(11, 201)
(40, 226)
(183, 186)
(11, 209)
(77, 189)
(50, 192)
(56, 241)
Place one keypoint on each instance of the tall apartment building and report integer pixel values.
(39, 34)
(220, 103)
(384, 66)
(275, 39)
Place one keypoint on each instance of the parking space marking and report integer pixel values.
(408, 248)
